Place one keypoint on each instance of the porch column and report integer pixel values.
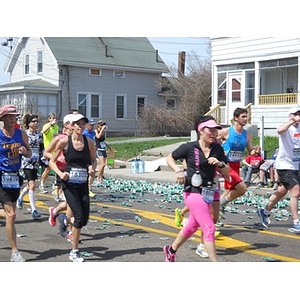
(298, 81)
(214, 86)
(257, 83)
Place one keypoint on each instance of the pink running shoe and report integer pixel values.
(170, 257)
(52, 217)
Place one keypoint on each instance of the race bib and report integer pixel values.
(102, 146)
(10, 181)
(208, 195)
(235, 155)
(78, 175)
(296, 154)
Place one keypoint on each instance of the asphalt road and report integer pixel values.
(113, 234)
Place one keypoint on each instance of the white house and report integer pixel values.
(104, 78)
(262, 74)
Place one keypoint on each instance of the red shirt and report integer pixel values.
(254, 160)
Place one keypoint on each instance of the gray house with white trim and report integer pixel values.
(104, 78)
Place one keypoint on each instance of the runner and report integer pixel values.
(202, 157)
(30, 165)
(79, 152)
(13, 145)
(287, 166)
(235, 139)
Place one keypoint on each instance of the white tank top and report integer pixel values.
(289, 149)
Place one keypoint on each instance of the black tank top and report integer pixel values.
(98, 141)
(75, 158)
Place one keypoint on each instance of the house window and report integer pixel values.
(141, 102)
(40, 61)
(82, 103)
(171, 103)
(26, 64)
(249, 87)
(95, 105)
(119, 74)
(95, 72)
(120, 106)
(89, 104)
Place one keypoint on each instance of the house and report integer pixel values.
(104, 78)
(261, 74)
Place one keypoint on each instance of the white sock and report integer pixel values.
(296, 221)
(31, 195)
(24, 192)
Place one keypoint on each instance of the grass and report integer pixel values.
(125, 151)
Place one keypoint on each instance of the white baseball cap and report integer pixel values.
(294, 109)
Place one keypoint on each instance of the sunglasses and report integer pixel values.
(34, 121)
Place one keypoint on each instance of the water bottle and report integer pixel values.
(141, 166)
(134, 166)
(138, 219)
(196, 179)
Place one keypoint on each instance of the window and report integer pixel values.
(171, 103)
(82, 103)
(141, 102)
(250, 88)
(40, 61)
(26, 64)
(119, 74)
(89, 104)
(95, 102)
(95, 72)
(120, 106)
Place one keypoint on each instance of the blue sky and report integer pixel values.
(168, 48)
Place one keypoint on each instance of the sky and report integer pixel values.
(168, 48)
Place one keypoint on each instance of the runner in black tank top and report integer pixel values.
(79, 152)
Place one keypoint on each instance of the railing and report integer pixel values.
(278, 99)
(215, 112)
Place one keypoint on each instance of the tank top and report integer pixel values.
(61, 165)
(99, 143)
(33, 161)
(235, 145)
(10, 159)
(75, 158)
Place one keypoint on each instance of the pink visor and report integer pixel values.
(209, 124)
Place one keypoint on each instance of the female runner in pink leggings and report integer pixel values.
(202, 156)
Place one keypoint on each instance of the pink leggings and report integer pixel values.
(199, 216)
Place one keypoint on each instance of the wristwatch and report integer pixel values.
(223, 165)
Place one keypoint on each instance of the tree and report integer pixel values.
(192, 97)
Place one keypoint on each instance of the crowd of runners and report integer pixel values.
(72, 155)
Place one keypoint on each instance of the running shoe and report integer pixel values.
(170, 257)
(264, 218)
(91, 194)
(20, 203)
(16, 257)
(200, 250)
(75, 256)
(178, 217)
(35, 215)
(62, 225)
(52, 217)
(296, 227)
(42, 190)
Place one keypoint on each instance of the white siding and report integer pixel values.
(50, 70)
(238, 50)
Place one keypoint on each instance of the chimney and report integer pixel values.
(181, 63)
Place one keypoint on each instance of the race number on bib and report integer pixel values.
(235, 155)
(78, 175)
(10, 181)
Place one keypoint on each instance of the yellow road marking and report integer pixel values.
(167, 219)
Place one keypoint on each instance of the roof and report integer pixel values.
(29, 84)
(122, 52)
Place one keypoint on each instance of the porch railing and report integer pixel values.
(278, 99)
(215, 112)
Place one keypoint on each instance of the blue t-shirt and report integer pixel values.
(90, 134)
(10, 159)
(235, 145)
